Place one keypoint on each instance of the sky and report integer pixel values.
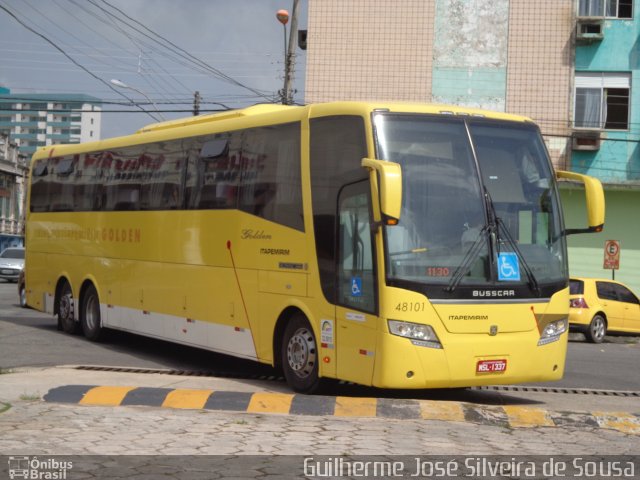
(230, 51)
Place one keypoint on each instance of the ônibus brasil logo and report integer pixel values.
(37, 469)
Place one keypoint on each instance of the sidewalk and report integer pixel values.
(67, 385)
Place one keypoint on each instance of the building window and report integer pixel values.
(606, 8)
(602, 100)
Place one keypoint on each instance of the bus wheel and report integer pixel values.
(90, 315)
(597, 329)
(23, 296)
(66, 321)
(300, 356)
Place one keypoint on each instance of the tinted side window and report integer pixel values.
(606, 291)
(213, 171)
(88, 179)
(160, 172)
(40, 186)
(62, 183)
(625, 295)
(122, 179)
(338, 145)
(271, 182)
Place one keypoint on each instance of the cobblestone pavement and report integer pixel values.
(35, 427)
(138, 442)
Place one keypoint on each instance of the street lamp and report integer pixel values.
(121, 84)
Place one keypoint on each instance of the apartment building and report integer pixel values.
(606, 124)
(38, 119)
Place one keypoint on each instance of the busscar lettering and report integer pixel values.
(494, 293)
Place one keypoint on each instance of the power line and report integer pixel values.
(63, 52)
(175, 49)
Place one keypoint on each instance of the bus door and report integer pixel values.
(357, 302)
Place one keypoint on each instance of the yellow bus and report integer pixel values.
(396, 245)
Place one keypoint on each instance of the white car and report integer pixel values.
(11, 263)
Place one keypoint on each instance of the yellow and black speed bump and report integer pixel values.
(401, 409)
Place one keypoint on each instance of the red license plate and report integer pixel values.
(491, 366)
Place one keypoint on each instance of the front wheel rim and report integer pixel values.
(302, 352)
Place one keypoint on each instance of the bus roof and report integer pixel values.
(171, 128)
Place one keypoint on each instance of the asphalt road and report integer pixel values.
(30, 338)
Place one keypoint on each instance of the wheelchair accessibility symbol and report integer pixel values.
(356, 286)
(508, 267)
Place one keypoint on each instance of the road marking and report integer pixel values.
(185, 398)
(105, 395)
(270, 403)
(355, 407)
(508, 416)
(432, 410)
(621, 421)
(527, 417)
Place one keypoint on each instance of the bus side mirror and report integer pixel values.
(595, 201)
(389, 184)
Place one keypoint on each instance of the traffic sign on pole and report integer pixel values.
(611, 255)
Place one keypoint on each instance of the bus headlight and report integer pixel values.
(420, 335)
(553, 330)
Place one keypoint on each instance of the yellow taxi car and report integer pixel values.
(598, 306)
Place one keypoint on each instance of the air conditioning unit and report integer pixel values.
(589, 29)
(586, 140)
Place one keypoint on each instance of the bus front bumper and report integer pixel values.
(468, 360)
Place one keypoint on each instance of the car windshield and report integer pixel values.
(479, 202)
(13, 253)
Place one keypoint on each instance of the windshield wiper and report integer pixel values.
(469, 258)
(491, 231)
(500, 225)
(533, 282)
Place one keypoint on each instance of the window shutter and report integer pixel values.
(603, 80)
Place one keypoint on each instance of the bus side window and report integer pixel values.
(65, 175)
(40, 186)
(161, 175)
(213, 172)
(271, 180)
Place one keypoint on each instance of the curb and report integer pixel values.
(297, 404)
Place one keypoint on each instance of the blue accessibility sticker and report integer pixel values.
(508, 267)
(356, 286)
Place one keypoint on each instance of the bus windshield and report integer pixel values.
(479, 205)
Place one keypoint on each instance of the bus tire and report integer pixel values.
(22, 291)
(300, 355)
(90, 315)
(65, 309)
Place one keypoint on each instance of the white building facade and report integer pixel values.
(38, 120)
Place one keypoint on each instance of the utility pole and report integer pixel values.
(289, 53)
(291, 58)
(196, 103)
